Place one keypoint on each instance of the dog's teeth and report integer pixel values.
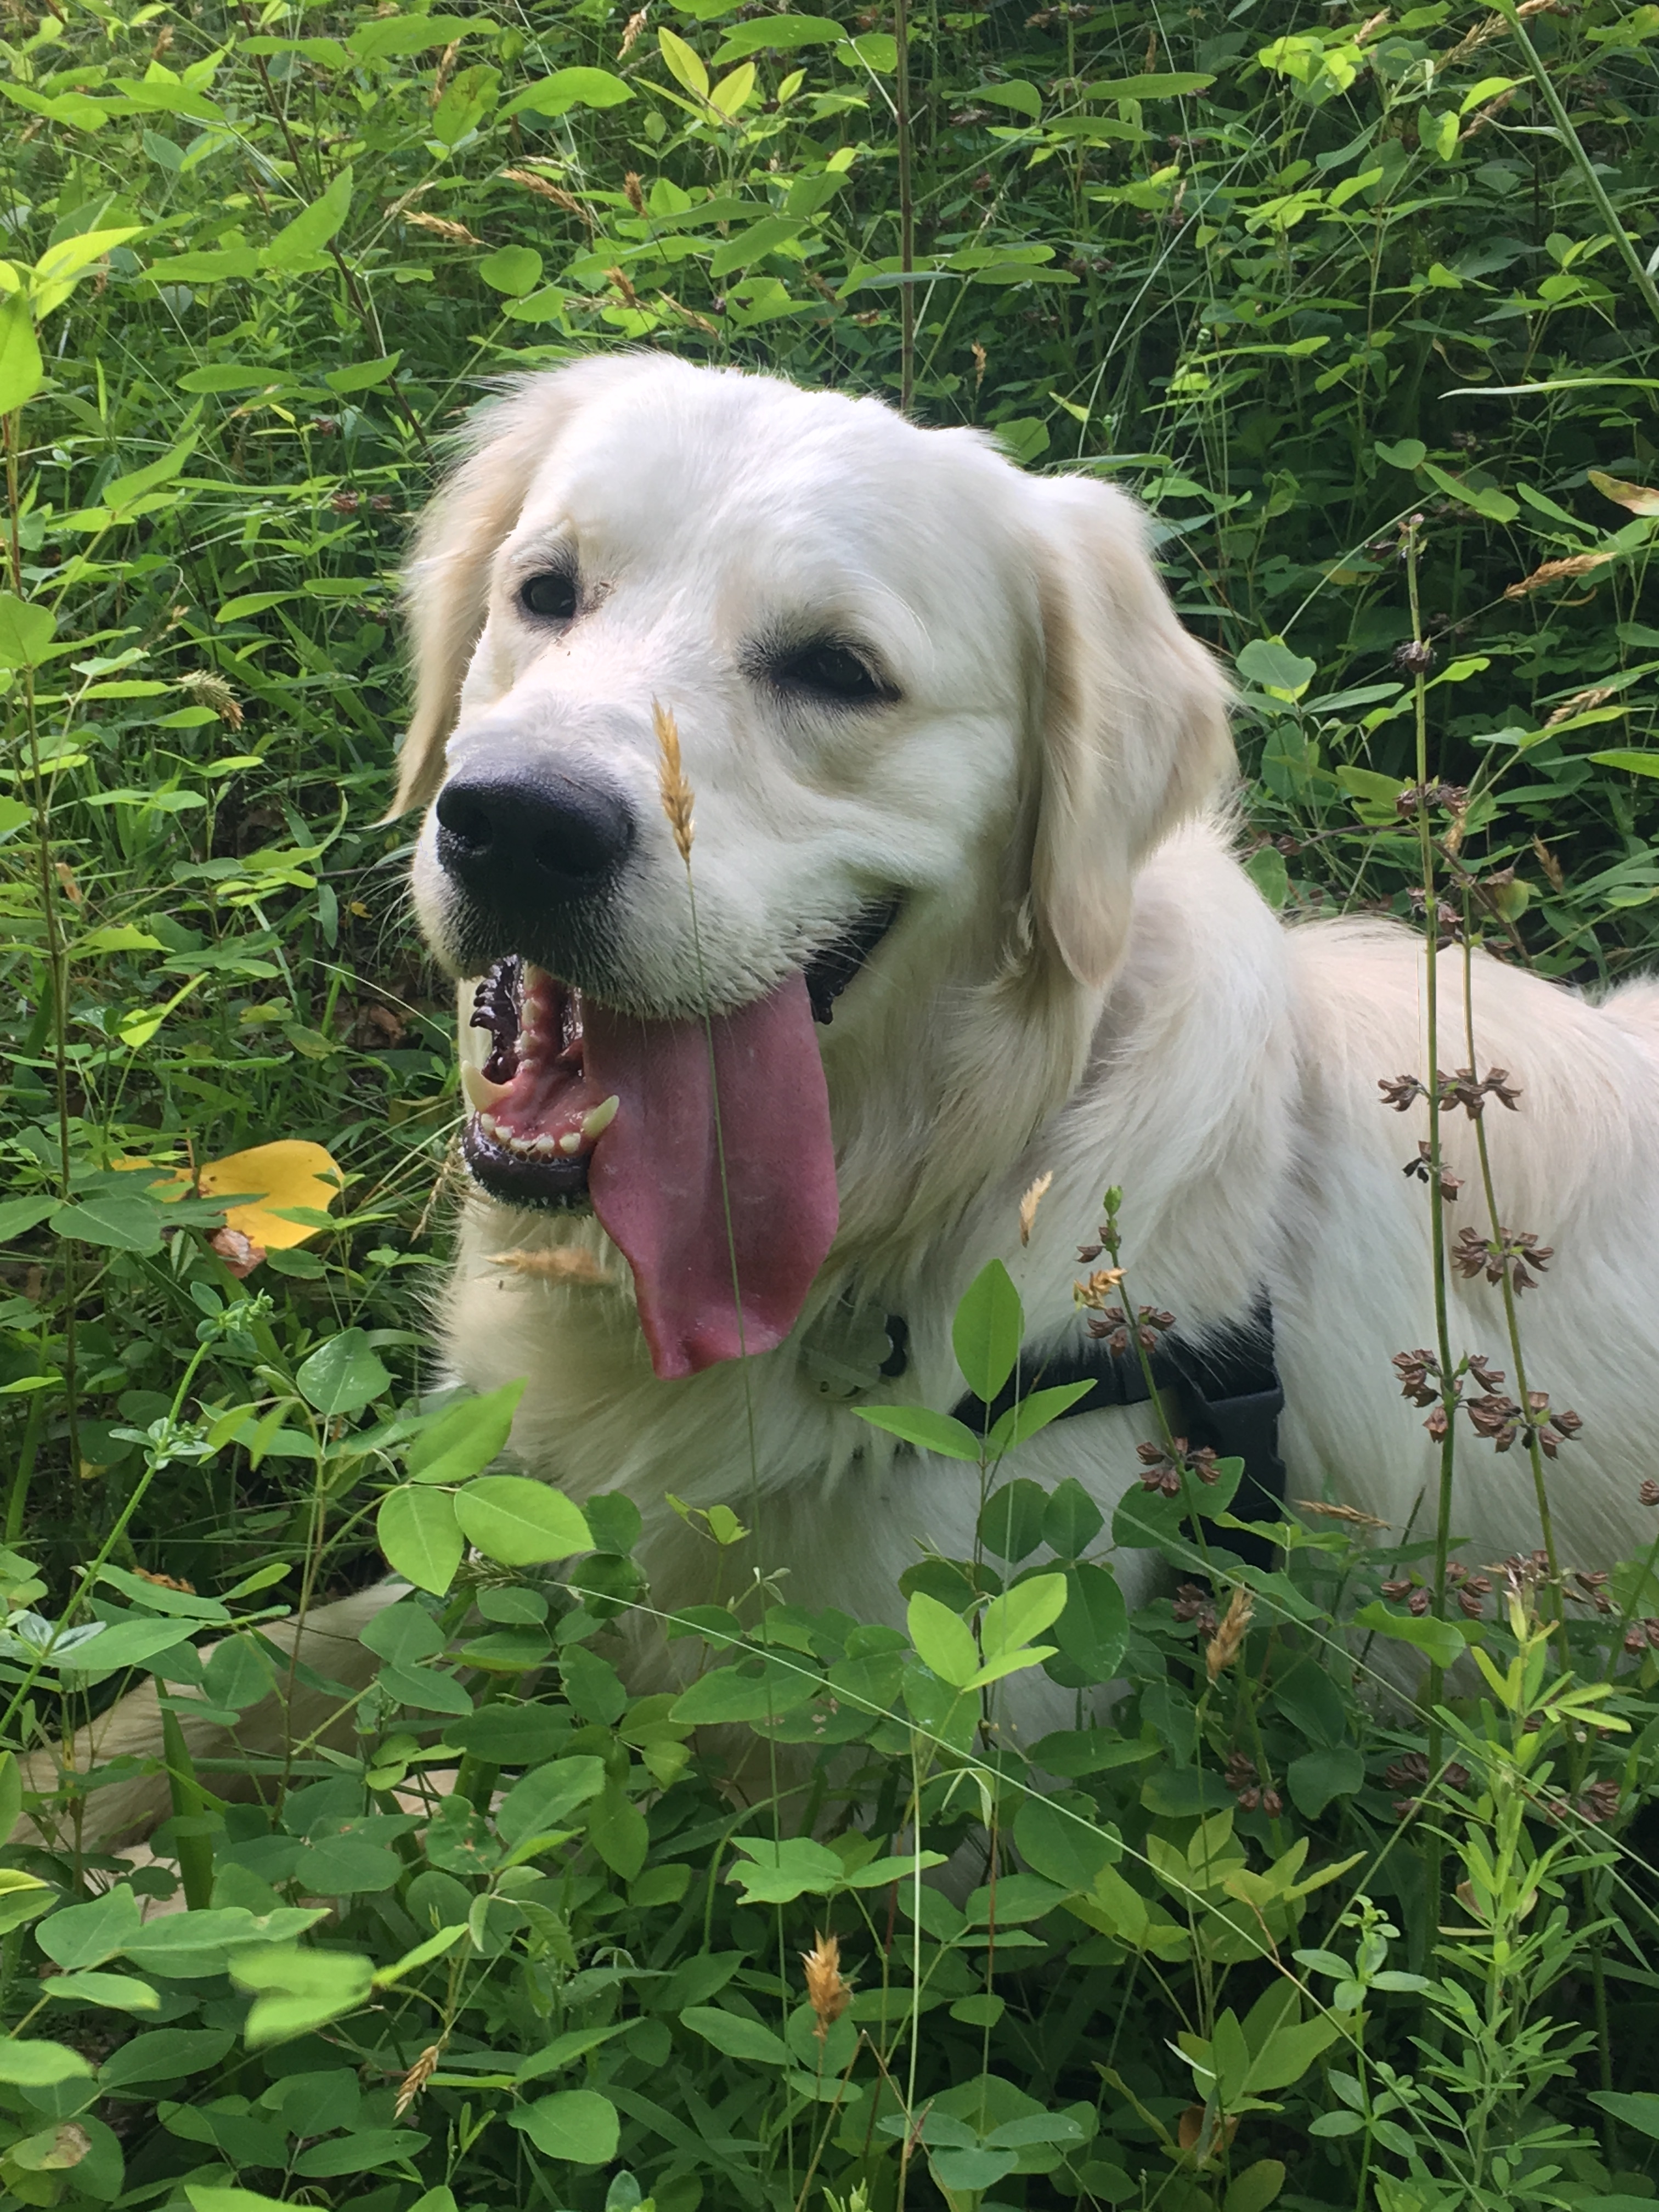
(489, 1124)
(481, 1093)
(595, 1123)
(521, 1145)
(571, 1142)
(545, 1147)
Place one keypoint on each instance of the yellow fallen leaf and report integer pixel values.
(289, 1173)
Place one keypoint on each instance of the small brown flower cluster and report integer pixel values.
(1423, 1169)
(1412, 1772)
(1461, 1089)
(1417, 1597)
(1453, 797)
(1162, 1470)
(1192, 1602)
(1225, 1646)
(827, 1992)
(1112, 1325)
(1501, 1421)
(1415, 657)
(1592, 1588)
(1597, 1805)
(1253, 1795)
(1517, 1251)
(1402, 1093)
(1642, 1636)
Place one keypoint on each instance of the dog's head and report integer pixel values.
(931, 714)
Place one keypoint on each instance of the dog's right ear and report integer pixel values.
(446, 585)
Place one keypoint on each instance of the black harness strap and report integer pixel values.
(1226, 1384)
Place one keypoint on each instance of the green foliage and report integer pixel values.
(1247, 1933)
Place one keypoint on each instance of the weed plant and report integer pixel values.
(1363, 309)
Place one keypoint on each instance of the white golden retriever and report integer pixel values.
(956, 770)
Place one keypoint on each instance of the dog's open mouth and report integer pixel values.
(535, 1115)
(704, 1148)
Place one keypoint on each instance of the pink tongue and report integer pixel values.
(655, 1174)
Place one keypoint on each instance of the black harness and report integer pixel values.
(1226, 1386)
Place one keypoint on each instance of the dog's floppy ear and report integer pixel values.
(446, 585)
(1133, 725)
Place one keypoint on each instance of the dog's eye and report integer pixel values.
(832, 672)
(551, 595)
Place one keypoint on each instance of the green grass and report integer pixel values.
(1292, 277)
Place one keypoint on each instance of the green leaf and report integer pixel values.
(1070, 1519)
(121, 1992)
(1317, 1777)
(684, 64)
(1629, 763)
(541, 1802)
(20, 366)
(737, 2036)
(1011, 1520)
(1255, 2189)
(358, 2153)
(555, 95)
(342, 1376)
(1011, 1622)
(386, 38)
(519, 1522)
(25, 631)
(462, 1440)
(18, 1215)
(165, 2054)
(944, 1642)
(776, 34)
(515, 270)
(363, 375)
(798, 1866)
(40, 2065)
(578, 2125)
(987, 1331)
(1408, 453)
(1439, 1641)
(1064, 1847)
(1175, 84)
(315, 226)
(1636, 2108)
(1269, 663)
(1485, 499)
(1094, 1629)
(616, 1830)
(204, 2197)
(82, 1936)
(298, 1989)
(928, 1430)
(1033, 1413)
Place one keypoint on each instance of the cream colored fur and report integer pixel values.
(1084, 982)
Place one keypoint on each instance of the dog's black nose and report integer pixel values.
(531, 842)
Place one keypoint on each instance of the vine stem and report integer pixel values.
(1431, 1857)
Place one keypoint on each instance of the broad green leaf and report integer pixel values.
(616, 1830)
(737, 2036)
(83, 1936)
(207, 2196)
(1257, 2188)
(1033, 1413)
(25, 630)
(311, 229)
(1439, 1641)
(1485, 499)
(464, 1440)
(515, 270)
(519, 1522)
(1636, 2108)
(944, 1642)
(987, 1331)
(363, 375)
(541, 1802)
(298, 1989)
(577, 2125)
(1011, 1520)
(1408, 453)
(776, 34)
(386, 38)
(40, 2065)
(1174, 84)
(1629, 763)
(360, 2152)
(342, 1376)
(1318, 1775)
(164, 2054)
(112, 1218)
(1012, 1621)
(1063, 1846)
(417, 1531)
(684, 64)
(928, 1430)
(21, 367)
(1070, 1519)
(120, 1992)
(555, 95)
(1094, 1628)
(11, 1795)
(19, 1215)
(1269, 663)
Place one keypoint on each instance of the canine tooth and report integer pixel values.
(481, 1093)
(595, 1123)
(571, 1142)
